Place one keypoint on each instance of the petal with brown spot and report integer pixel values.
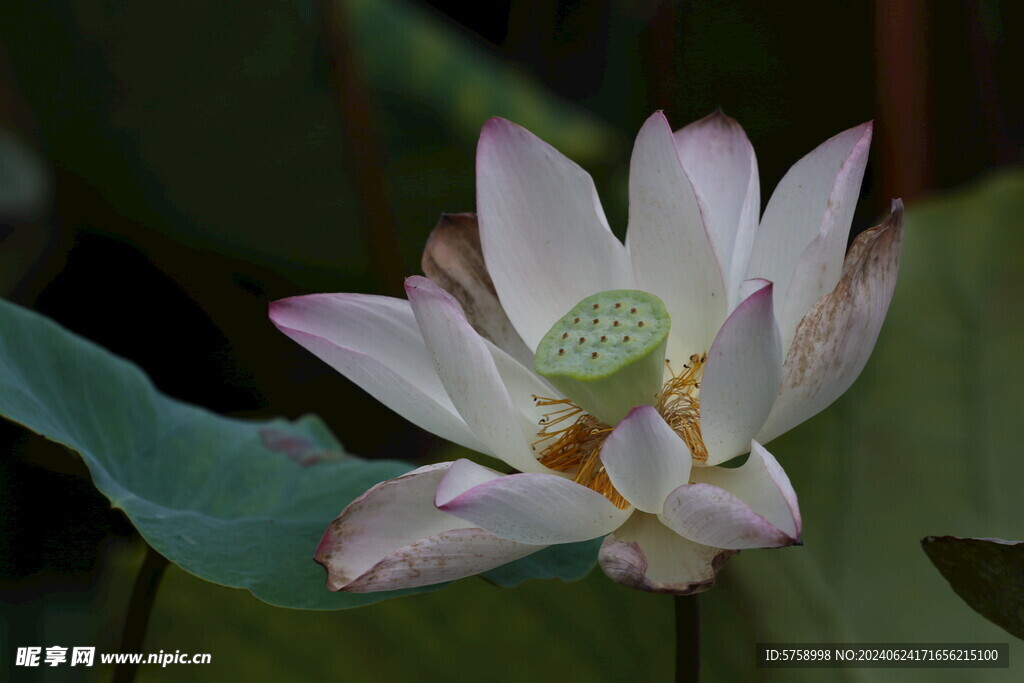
(454, 260)
(835, 338)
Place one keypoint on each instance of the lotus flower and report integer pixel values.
(616, 379)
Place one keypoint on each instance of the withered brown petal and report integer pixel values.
(454, 259)
(835, 338)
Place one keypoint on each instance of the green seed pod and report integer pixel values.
(608, 353)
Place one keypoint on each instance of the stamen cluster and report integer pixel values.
(571, 439)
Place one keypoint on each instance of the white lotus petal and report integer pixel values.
(446, 556)
(645, 459)
(645, 554)
(545, 238)
(461, 477)
(375, 342)
(803, 234)
(529, 508)
(393, 537)
(465, 364)
(712, 516)
(668, 242)
(762, 484)
(741, 377)
(522, 385)
(720, 160)
(836, 337)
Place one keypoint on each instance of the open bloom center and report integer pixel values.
(570, 439)
(607, 353)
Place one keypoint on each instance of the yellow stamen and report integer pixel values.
(570, 440)
(576, 447)
(679, 405)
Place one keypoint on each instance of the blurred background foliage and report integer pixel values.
(168, 169)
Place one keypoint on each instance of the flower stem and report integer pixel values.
(136, 621)
(687, 610)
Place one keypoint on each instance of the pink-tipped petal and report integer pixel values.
(538, 509)
(753, 506)
(375, 342)
(645, 459)
(720, 160)
(646, 555)
(393, 537)
(443, 557)
(668, 241)
(803, 234)
(454, 259)
(836, 337)
(464, 362)
(712, 516)
(545, 238)
(762, 484)
(741, 376)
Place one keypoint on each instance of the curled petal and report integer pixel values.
(545, 238)
(741, 377)
(393, 537)
(668, 240)
(539, 509)
(454, 259)
(461, 477)
(710, 515)
(836, 337)
(646, 555)
(645, 459)
(753, 506)
(467, 369)
(803, 234)
(763, 485)
(720, 160)
(376, 343)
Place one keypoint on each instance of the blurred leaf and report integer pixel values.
(214, 125)
(988, 573)
(568, 561)
(240, 503)
(927, 437)
(235, 502)
(406, 50)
